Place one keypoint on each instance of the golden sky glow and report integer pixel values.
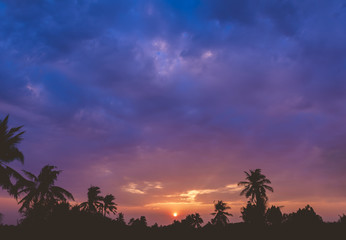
(164, 211)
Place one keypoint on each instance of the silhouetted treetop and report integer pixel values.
(221, 213)
(342, 219)
(9, 138)
(255, 187)
(305, 216)
(109, 206)
(40, 190)
(94, 203)
(138, 222)
(274, 216)
(121, 219)
(193, 220)
(253, 214)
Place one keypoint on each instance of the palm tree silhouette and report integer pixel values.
(8, 141)
(41, 191)
(194, 220)
(9, 138)
(108, 205)
(197, 220)
(138, 222)
(94, 203)
(221, 213)
(255, 187)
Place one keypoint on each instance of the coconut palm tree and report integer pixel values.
(193, 220)
(94, 203)
(9, 138)
(108, 205)
(40, 190)
(221, 213)
(255, 187)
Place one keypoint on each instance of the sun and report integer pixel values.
(175, 214)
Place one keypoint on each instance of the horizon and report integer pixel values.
(165, 104)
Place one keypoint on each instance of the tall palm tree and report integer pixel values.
(94, 203)
(9, 138)
(221, 213)
(40, 190)
(255, 187)
(108, 205)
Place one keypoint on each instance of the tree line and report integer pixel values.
(42, 202)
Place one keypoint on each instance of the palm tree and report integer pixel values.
(40, 190)
(94, 203)
(109, 205)
(221, 213)
(193, 220)
(138, 222)
(8, 141)
(197, 220)
(9, 138)
(255, 187)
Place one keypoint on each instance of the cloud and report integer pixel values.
(141, 188)
(191, 195)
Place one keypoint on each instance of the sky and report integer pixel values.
(165, 104)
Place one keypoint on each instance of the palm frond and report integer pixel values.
(244, 191)
(268, 188)
(59, 190)
(243, 183)
(8, 141)
(30, 175)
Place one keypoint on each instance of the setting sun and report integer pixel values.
(175, 214)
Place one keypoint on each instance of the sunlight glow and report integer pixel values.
(175, 214)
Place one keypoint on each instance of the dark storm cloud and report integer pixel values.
(53, 32)
(80, 48)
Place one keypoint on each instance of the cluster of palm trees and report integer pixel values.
(98, 204)
(193, 220)
(41, 195)
(40, 192)
(34, 192)
(255, 188)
